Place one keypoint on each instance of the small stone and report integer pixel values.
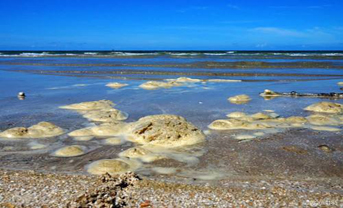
(326, 148)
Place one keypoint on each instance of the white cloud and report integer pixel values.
(231, 6)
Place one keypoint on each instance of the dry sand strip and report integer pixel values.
(33, 189)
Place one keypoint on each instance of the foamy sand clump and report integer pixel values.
(101, 111)
(184, 79)
(340, 83)
(105, 115)
(112, 166)
(325, 107)
(106, 129)
(70, 151)
(153, 85)
(239, 99)
(165, 130)
(116, 85)
(40, 130)
(91, 105)
(270, 122)
(141, 153)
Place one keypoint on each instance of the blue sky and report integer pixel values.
(172, 25)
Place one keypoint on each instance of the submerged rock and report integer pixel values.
(40, 130)
(70, 151)
(325, 107)
(239, 99)
(165, 130)
(116, 85)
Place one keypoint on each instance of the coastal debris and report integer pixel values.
(69, 151)
(239, 99)
(40, 130)
(326, 148)
(113, 192)
(325, 107)
(21, 96)
(268, 94)
(116, 85)
(165, 130)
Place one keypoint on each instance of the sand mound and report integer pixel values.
(236, 115)
(236, 124)
(326, 107)
(140, 153)
(153, 85)
(106, 129)
(105, 115)
(239, 99)
(269, 93)
(116, 85)
(165, 130)
(114, 141)
(92, 105)
(185, 79)
(318, 119)
(40, 130)
(69, 151)
(112, 166)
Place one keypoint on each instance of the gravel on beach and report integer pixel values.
(35, 189)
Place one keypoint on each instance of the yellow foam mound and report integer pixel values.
(325, 107)
(140, 153)
(116, 85)
(106, 129)
(165, 130)
(239, 99)
(105, 115)
(69, 151)
(40, 130)
(153, 85)
(319, 119)
(91, 105)
(340, 83)
(236, 115)
(236, 124)
(185, 79)
(112, 166)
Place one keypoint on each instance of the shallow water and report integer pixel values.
(290, 153)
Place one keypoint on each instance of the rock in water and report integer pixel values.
(326, 107)
(239, 99)
(165, 130)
